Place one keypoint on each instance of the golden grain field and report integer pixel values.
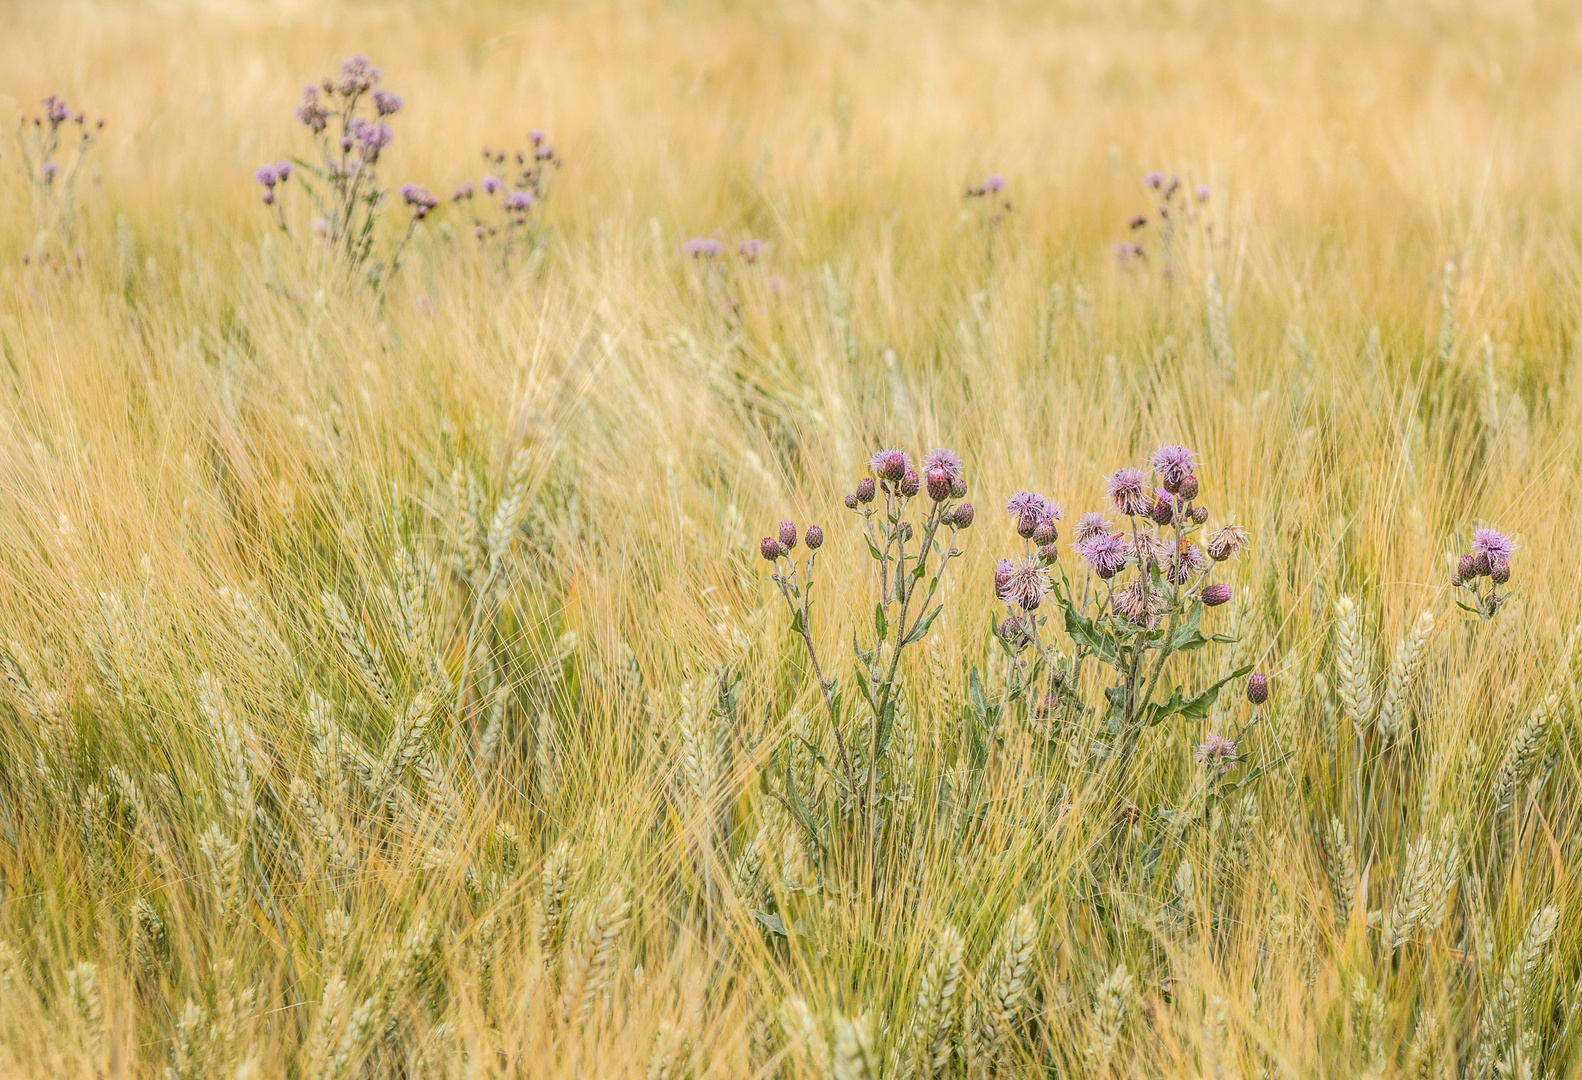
(393, 684)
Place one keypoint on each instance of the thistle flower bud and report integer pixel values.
(769, 548)
(1199, 514)
(1046, 532)
(1215, 595)
(1499, 571)
(865, 490)
(1013, 631)
(1466, 568)
(958, 487)
(905, 530)
(1048, 706)
(938, 484)
(1188, 488)
(851, 502)
(1258, 688)
(962, 517)
(1163, 512)
(788, 535)
(1049, 554)
(895, 466)
(1481, 565)
(910, 483)
(1026, 522)
(814, 537)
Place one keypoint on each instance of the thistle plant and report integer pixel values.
(1490, 558)
(347, 119)
(1176, 212)
(503, 220)
(910, 523)
(1144, 586)
(53, 144)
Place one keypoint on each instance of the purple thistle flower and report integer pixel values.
(891, 465)
(1024, 502)
(519, 201)
(1217, 754)
(1138, 222)
(703, 247)
(419, 198)
(1202, 192)
(51, 170)
(749, 249)
(1189, 563)
(371, 137)
(1215, 595)
(1173, 464)
(994, 182)
(491, 184)
(1146, 550)
(357, 76)
(1128, 491)
(1154, 180)
(56, 110)
(788, 534)
(1105, 553)
(535, 137)
(1021, 584)
(544, 153)
(1495, 545)
(1088, 526)
(267, 176)
(464, 190)
(943, 459)
(387, 103)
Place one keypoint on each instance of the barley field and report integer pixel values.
(408, 672)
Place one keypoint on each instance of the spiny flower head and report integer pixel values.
(1189, 562)
(1088, 526)
(1024, 501)
(749, 249)
(1215, 595)
(1217, 753)
(1258, 688)
(788, 534)
(1139, 603)
(1173, 464)
(519, 201)
(703, 247)
(358, 76)
(891, 465)
(1495, 545)
(948, 460)
(1128, 491)
(1227, 542)
(419, 198)
(1105, 553)
(387, 103)
(1022, 583)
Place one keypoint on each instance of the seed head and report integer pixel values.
(1189, 562)
(865, 490)
(1227, 542)
(1258, 688)
(1025, 585)
(788, 535)
(814, 537)
(1128, 490)
(1215, 595)
(1139, 603)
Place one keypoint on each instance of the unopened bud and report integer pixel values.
(1163, 512)
(769, 548)
(1027, 523)
(938, 484)
(788, 534)
(1466, 568)
(1481, 565)
(1046, 532)
(958, 487)
(1500, 571)
(910, 483)
(1049, 553)
(1215, 595)
(1258, 688)
(851, 502)
(895, 467)
(962, 517)
(1200, 514)
(865, 490)
(1188, 488)
(814, 537)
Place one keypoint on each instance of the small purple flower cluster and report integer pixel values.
(996, 204)
(346, 116)
(502, 215)
(1489, 558)
(51, 167)
(1174, 209)
(710, 249)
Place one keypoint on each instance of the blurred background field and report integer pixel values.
(362, 645)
